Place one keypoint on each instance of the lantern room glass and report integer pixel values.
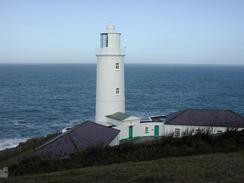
(104, 40)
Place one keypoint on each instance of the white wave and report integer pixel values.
(74, 121)
(26, 125)
(9, 143)
(16, 122)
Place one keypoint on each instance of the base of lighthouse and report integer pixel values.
(106, 108)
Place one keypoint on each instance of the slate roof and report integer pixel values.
(205, 117)
(153, 119)
(120, 116)
(79, 137)
(159, 118)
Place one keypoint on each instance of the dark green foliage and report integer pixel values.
(214, 168)
(200, 143)
(23, 149)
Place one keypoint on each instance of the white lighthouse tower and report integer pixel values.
(110, 92)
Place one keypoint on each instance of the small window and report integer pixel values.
(104, 40)
(117, 91)
(117, 66)
(146, 130)
(177, 132)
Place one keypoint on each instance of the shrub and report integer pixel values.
(199, 143)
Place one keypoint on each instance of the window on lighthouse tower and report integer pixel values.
(104, 40)
(117, 91)
(117, 66)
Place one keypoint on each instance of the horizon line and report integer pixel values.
(131, 63)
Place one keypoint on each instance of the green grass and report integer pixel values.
(165, 147)
(219, 167)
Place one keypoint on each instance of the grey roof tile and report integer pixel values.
(79, 137)
(205, 117)
(120, 116)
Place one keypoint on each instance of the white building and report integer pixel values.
(131, 126)
(110, 102)
(178, 124)
(110, 92)
(194, 120)
(127, 124)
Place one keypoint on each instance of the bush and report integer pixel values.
(199, 143)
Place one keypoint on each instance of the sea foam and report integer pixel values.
(9, 143)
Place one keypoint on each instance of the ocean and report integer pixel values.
(39, 99)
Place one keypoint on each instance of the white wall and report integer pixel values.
(124, 125)
(138, 128)
(151, 126)
(113, 122)
(115, 141)
(170, 129)
(124, 128)
(164, 130)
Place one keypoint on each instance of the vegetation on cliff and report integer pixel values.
(201, 143)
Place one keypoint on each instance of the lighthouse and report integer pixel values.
(110, 91)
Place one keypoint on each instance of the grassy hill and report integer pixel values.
(165, 147)
(219, 167)
(193, 158)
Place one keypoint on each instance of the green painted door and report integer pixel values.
(130, 132)
(156, 130)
